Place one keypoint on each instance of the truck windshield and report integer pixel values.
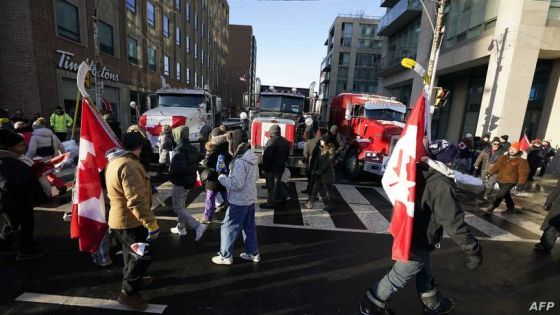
(384, 114)
(282, 104)
(178, 100)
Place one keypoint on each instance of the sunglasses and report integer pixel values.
(495, 143)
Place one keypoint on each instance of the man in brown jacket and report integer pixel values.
(512, 170)
(131, 217)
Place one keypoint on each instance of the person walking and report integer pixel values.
(147, 153)
(182, 174)
(551, 224)
(275, 157)
(485, 161)
(60, 123)
(466, 153)
(512, 170)
(535, 158)
(505, 142)
(165, 147)
(20, 192)
(241, 184)
(311, 154)
(324, 174)
(216, 163)
(131, 218)
(436, 210)
(549, 155)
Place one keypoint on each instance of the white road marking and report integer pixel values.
(489, 229)
(316, 217)
(520, 221)
(263, 216)
(370, 217)
(84, 301)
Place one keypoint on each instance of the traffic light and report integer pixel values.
(441, 98)
(88, 82)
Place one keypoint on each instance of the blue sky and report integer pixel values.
(291, 34)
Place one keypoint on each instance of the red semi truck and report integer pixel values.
(372, 124)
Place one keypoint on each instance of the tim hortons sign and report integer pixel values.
(65, 62)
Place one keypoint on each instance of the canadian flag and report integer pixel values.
(89, 222)
(399, 180)
(524, 142)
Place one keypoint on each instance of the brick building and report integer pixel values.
(242, 66)
(185, 41)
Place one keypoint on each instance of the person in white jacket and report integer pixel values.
(241, 184)
(43, 143)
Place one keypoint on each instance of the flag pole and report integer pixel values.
(76, 113)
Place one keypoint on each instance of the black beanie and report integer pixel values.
(505, 137)
(132, 141)
(8, 139)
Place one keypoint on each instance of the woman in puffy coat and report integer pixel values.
(43, 143)
(217, 149)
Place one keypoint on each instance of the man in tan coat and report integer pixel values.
(512, 170)
(131, 217)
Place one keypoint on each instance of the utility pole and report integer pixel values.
(97, 73)
(436, 41)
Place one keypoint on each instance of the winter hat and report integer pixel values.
(136, 128)
(39, 123)
(505, 138)
(216, 132)
(132, 140)
(166, 128)
(468, 135)
(19, 125)
(496, 139)
(334, 128)
(234, 138)
(274, 130)
(516, 145)
(8, 139)
(443, 151)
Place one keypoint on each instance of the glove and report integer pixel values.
(153, 231)
(474, 260)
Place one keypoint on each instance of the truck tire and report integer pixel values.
(352, 165)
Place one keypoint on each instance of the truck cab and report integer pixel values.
(372, 124)
(181, 107)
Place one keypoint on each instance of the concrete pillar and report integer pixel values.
(457, 114)
(550, 117)
(518, 35)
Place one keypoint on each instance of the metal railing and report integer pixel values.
(395, 12)
(394, 58)
(360, 16)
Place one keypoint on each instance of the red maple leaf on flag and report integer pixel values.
(88, 178)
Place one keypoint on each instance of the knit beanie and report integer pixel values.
(9, 139)
(443, 151)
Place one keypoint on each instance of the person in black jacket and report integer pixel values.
(217, 149)
(182, 174)
(275, 157)
(535, 157)
(551, 224)
(436, 210)
(311, 153)
(21, 191)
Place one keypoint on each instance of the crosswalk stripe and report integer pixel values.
(488, 228)
(369, 216)
(315, 217)
(263, 216)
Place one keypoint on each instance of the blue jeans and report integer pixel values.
(420, 266)
(239, 219)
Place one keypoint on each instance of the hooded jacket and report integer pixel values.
(43, 137)
(325, 165)
(276, 152)
(23, 190)
(217, 145)
(184, 164)
(241, 183)
(129, 192)
(436, 210)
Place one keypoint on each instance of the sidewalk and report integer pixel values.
(534, 196)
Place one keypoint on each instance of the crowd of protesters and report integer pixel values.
(229, 170)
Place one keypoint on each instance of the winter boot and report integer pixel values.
(435, 304)
(371, 305)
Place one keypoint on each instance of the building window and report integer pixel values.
(188, 75)
(366, 60)
(188, 44)
(344, 59)
(106, 38)
(178, 4)
(202, 81)
(342, 73)
(188, 11)
(202, 29)
(202, 55)
(165, 65)
(195, 51)
(150, 14)
(195, 21)
(152, 59)
(195, 79)
(346, 39)
(367, 30)
(67, 20)
(341, 86)
(132, 50)
(131, 5)
(178, 72)
(165, 26)
(178, 36)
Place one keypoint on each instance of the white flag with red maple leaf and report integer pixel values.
(89, 222)
(399, 180)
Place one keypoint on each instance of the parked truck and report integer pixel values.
(286, 109)
(181, 107)
(372, 124)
